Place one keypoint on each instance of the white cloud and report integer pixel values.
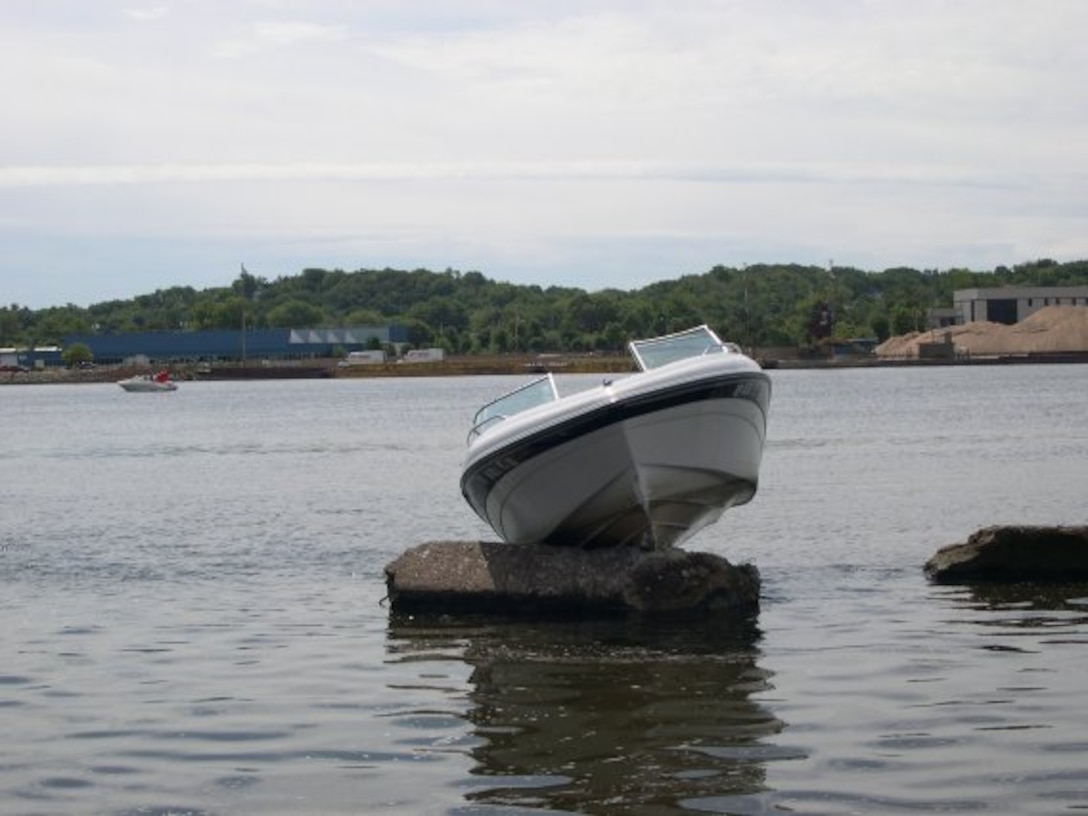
(879, 130)
(265, 36)
(147, 13)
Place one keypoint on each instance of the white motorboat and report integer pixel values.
(649, 459)
(146, 383)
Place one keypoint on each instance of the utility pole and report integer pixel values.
(747, 312)
(244, 273)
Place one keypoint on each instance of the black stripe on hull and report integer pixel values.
(478, 480)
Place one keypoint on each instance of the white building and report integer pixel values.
(1011, 304)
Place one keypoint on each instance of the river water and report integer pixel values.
(191, 615)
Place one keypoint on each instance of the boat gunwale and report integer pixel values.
(476, 483)
(687, 370)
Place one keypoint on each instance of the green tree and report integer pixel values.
(77, 354)
(11, 325)
(295, 314)
(881, 327)
(906, 318)
(759, 304)
(54, 324)
(364, 317)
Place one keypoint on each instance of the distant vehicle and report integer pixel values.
(370, 357)
(9, 361)
(427, 355)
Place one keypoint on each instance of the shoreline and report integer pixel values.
(526, 365)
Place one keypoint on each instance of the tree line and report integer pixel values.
(468, 313)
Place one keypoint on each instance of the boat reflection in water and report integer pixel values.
(610, 717)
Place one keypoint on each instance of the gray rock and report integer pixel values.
(485, 577)
(1014, 553)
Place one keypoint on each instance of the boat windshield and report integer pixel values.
(538, 392)
(659, 351)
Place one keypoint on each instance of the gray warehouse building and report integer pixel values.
(1011, 304)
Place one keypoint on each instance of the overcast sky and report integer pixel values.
(596, 144)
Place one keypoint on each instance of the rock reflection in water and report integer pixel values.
(608, 716)
(1030, 609)
(1054, 596)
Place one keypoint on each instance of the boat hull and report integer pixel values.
(143, 386)
(650, 461)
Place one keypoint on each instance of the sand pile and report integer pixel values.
(1051, 329)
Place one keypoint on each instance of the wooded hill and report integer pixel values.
(758, 305)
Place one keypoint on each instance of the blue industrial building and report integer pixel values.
(236, 345)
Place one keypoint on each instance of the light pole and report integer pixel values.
(245, 274)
